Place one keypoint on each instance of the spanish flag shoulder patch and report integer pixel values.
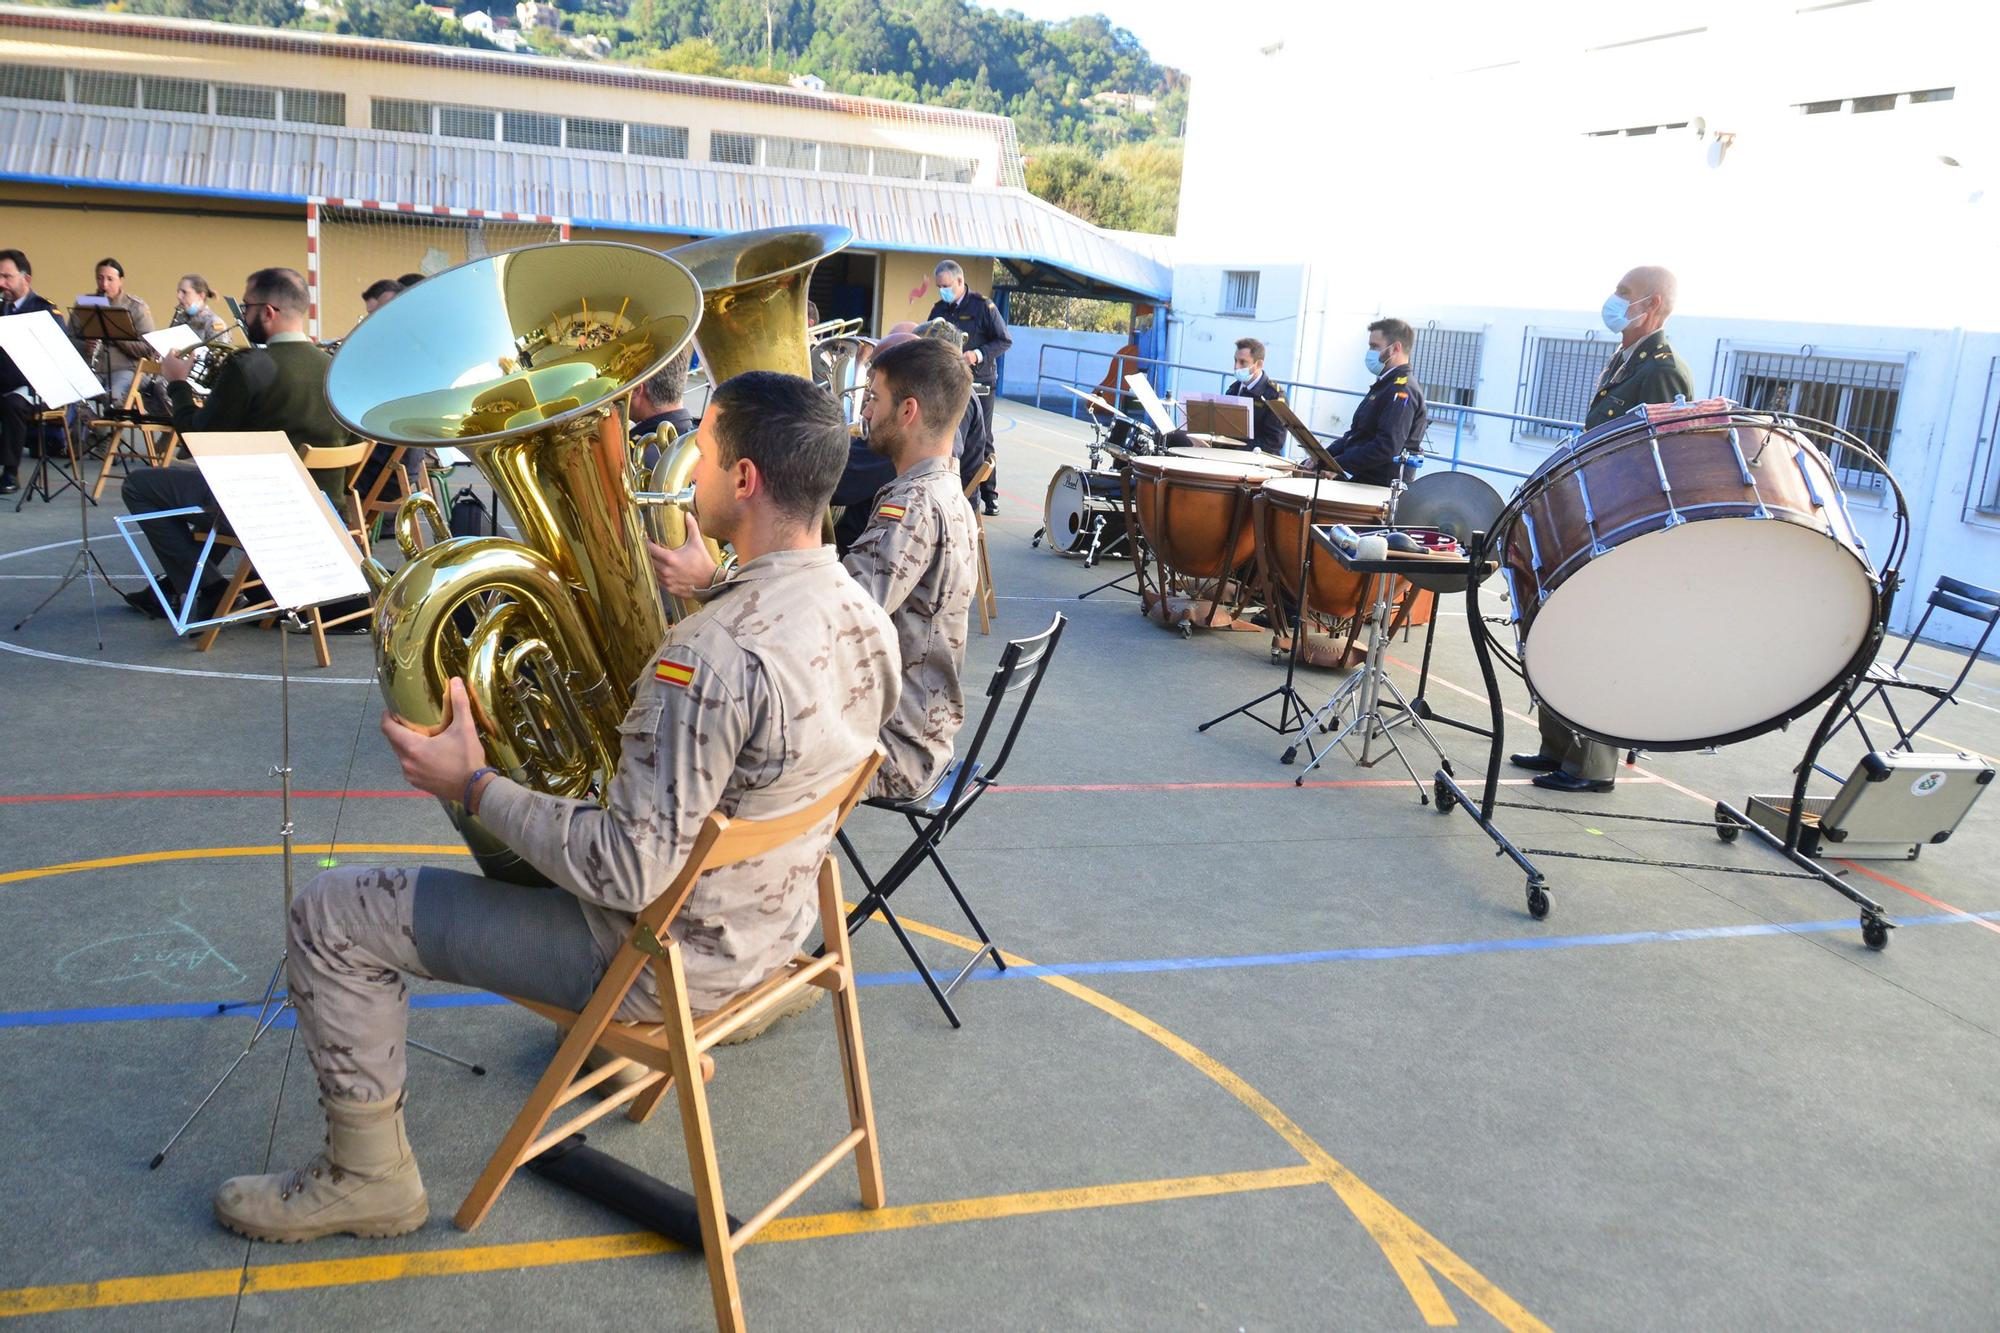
(893, 512)
(674, 673)
(1402, 397)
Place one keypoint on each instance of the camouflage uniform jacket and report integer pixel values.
(758, 704)
(917, 559)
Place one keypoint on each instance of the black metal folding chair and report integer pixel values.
(1953, 597)
(935, 813)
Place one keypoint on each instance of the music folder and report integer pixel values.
(1220, 414)
(277, 511)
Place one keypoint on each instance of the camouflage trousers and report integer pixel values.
(356, 936)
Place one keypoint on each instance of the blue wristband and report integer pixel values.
(473, 781)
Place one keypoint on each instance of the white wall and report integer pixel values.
(1019, 368)
(1464, 187)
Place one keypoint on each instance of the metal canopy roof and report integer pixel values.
(151, 150)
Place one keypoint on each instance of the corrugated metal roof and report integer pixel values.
(159, 151)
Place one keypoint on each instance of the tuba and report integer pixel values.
(524, 364)
(753, 296)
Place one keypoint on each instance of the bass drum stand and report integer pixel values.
(1728, 821)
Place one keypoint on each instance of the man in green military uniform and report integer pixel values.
(1643, 370)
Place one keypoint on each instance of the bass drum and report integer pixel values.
(1692, 582)
(1083, 511)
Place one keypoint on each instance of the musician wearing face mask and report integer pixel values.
(191, 307)
(1267, 432)
(986, 341)
(1643, 370)
(1392, 417)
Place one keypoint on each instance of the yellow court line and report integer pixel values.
(1407, 1246)
(215, 1283)
(218, 853)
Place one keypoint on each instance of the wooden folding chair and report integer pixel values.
(348, 458)
(392, 486)
(133, 433)
(989, 605)
(671, 1051)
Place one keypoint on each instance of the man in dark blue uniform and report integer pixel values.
(1252, 382)
(18, 408)
(1643, 370)
(1392, 417)
(986, 341)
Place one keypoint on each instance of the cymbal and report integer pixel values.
(1454, 502)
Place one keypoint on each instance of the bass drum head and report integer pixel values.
(1074, 501)
(1701, 633)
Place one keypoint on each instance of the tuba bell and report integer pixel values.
(753, 296)
(523, 361)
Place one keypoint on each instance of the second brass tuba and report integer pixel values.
(523, 360)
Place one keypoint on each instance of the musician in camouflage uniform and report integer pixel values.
(916, 556)
(758, 704)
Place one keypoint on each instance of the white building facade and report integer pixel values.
(1821, 178)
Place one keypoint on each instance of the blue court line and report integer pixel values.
(132, 1013)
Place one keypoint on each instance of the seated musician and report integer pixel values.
(115, 362)
(973, 420)
(869, 470)
(1391, 418)
(657, 403)
(277, 385)
(378, 294)
(192, 307)
(1268, 432)
(19, 408)
(760, 701)
(916, 556)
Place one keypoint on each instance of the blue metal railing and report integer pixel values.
(1169, 384)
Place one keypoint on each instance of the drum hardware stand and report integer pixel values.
(273, 1005)
(1293, 712)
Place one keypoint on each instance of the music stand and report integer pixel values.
(1303, 435)
(304, 560)
(1230, 416)
(47, 359)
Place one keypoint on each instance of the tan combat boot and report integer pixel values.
(364, 1184)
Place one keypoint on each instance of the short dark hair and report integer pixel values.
(18, 260)
(670, 382)
(111, 264)
(1252, 346)
(284, 288)
(794, 432)
(930, 372)
(1395, 331)
(380, 288)
(409, 280)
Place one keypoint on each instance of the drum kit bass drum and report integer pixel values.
(1682, 577)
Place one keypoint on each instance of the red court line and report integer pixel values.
(1877, 876)
(201, 794)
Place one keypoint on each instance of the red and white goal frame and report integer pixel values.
(316, 208)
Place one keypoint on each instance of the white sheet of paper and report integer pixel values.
(101, 301)
(449, 457)
(280, 518)
(173, 338)
(47, 359)
(1156, 411)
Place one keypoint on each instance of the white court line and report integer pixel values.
(7, 647)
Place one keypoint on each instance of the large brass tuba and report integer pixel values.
(753, 296)
(523, 360)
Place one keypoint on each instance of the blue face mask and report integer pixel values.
(1617, 313)
(1246, 373)
(1373, 360)
(948, 296)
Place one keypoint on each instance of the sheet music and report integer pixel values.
(101, 302)
(281, 519)
(1156, 411)
(448, 457)
(173, 338)
(47, 359)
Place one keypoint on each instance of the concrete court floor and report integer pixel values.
(1687, 1099)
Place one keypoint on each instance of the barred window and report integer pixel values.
(954, 169)
(400, 117)
(185, 95)
(1859, 396)
(466, 122)
(791, 154)
(596, 136)
(847, 159)
(242, 100)
(531, 127)
(659, 140)
(1558, 380)
(1239, 293)
(896, 162)
(100, 88)
(308, 106)
(740, 149)
(1446, 363)
(32, 83)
